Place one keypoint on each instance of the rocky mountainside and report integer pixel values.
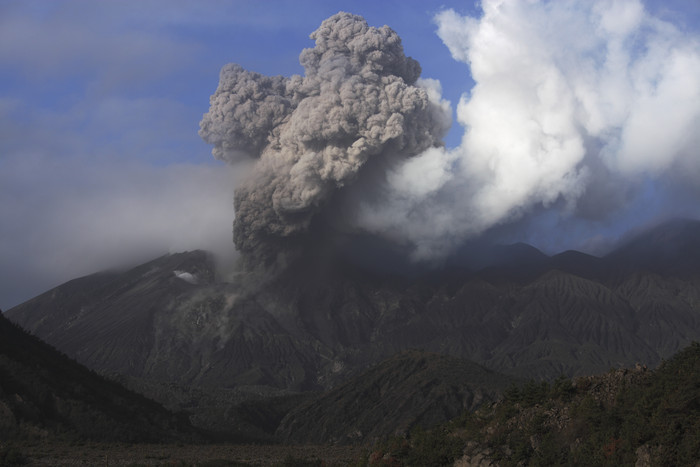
(410, 389)
(167, 320)
(45, 394)
(168, 324)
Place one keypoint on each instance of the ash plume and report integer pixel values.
(580, 115)
(357, 111)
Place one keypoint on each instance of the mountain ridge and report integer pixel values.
(319, 324)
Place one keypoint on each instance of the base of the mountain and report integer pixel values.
(638, 416)
(54, 453)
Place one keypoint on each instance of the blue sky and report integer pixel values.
(100, 102)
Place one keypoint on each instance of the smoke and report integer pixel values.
(356, 112)
(579, 112)
(576, 107)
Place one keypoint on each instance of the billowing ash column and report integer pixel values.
(313, 136)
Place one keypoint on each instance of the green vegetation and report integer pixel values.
(432, 447)
(614, 419)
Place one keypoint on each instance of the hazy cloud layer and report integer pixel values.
(94, 169)
(576, 106)
(77, 222)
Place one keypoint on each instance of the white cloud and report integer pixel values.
(564, 91)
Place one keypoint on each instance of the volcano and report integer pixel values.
(169, 329)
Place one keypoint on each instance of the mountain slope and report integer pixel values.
(168, 322)
(410, 389)
(562, 324)
(532, 315)
(43, 392)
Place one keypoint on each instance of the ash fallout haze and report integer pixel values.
(563, 124)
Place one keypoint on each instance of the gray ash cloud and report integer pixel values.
(356, 111)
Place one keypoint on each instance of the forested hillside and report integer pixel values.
(623, 417)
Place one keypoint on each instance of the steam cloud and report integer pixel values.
(575, 106)
(313, 136)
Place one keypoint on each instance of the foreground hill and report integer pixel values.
(170, 330)
(45, 394)
(410, 389)
(623, 417)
